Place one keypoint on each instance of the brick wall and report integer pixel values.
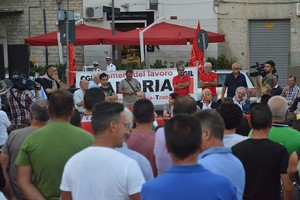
(21, 25)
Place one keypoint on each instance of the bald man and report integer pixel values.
(233, 81)
(280, 131)
(78, 95)
(206, 100)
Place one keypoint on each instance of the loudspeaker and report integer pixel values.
(2, 70)
(18, 59)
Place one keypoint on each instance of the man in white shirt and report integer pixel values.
(101, 172)
(110, 67)
(78, 95)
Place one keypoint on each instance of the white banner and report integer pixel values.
(156, 83)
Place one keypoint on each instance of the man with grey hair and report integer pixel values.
(139, 158)
(95, 80)
(214, 156)
(280, 131)
(291, 91)
(233, 81)
(206, 100)
(45, 152)
(39, 117)
(240, 98)
(209, 80)
(78, 96)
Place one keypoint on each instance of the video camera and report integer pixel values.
(25, 82)
(259, 70)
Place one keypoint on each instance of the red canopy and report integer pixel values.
(161, 34)
(85, 35)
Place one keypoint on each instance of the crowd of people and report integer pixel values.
(86, 145)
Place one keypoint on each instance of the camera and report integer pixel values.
(24, 82)
(259, 70)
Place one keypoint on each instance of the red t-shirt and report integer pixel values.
(210, 78)
(86, 123)
(177, 80)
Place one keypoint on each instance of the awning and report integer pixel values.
(85, 35)
(161, 34)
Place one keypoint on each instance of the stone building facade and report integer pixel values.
(236, 17)
(20, 19)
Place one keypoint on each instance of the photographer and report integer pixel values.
(51, 81)
(267, 77)
(20, 98)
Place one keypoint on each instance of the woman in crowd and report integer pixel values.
(167, 111)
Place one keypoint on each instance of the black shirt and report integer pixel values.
(109, 90)
(277, 91)
(232, 83)
(264, 161)
(47, 84)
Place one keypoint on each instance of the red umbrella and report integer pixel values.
(161, 34)
(85, 35)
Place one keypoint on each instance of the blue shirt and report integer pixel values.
(182, 182)
(140, 159)
(92, 84)
(42, 93)
(221, 161)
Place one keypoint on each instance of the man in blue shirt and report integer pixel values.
(186, 179)
(214, 156)
(95, 81)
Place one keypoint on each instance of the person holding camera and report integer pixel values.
(129, 87)
(51, 81)
(269, 68)
(20, 98)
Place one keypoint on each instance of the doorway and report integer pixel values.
(128, 53)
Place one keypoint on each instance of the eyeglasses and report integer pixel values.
(241, 93)
(127, 124)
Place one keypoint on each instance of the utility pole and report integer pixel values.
(113, 28)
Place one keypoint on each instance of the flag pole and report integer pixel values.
(141, 34)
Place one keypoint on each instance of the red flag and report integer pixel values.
(197, 56)
(72, 64)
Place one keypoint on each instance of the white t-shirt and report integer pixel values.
(78, 96)
(101, 173)
(111, 68)
(4, 124)
(232, 139)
